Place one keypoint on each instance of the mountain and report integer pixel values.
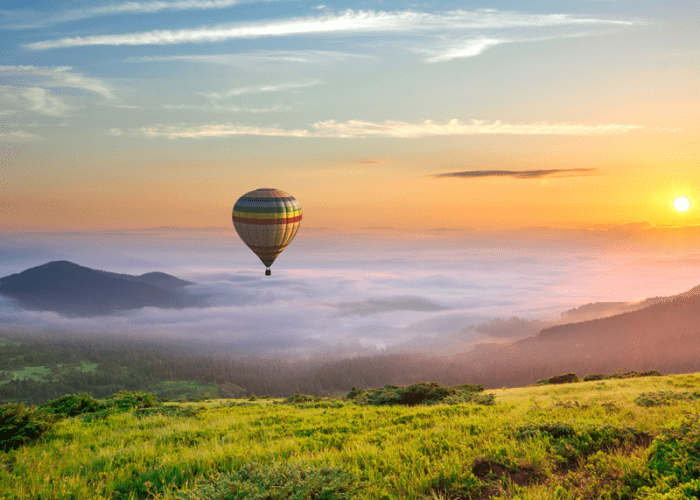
(74, 290)
(605, 309)
(663, 336)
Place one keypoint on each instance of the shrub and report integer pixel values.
(72, 405)
(126, 400)
(354, 393)
(664, 398)
(301, 398)
(20, 425)
(559, 379)
(674, 462)
(569, 444)
(278, 482)
(168, 411)
(421, 393)
(632, 374)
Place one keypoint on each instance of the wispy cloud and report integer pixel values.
(114, 132)
(467, 48)
(261, 89)
(248, 58)
(347, 22)
(523, 174)
(277, 108)
(447, 48)
(19, 135)
(43, 76)
(41, 101)
(395, 129)
(131, 7)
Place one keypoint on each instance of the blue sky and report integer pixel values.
(337, 102)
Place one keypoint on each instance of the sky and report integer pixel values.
(456, 162)
(455, 115)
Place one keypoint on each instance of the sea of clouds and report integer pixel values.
(336, 294)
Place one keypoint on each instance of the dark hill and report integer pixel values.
(70, 289)
(664, 336)
(655, 324)
(161, 280)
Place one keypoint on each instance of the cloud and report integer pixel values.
(332, 290)
(131, 7)
(261, 89)
(173, 132)
(512, 328)
(447, 47)
(250, 58)
(394, 129)
(41, 101)
(375, 306)
(19, 135)
(522, 174)
(350, 21)
(179, 107)
(38, 76)
(468, 48)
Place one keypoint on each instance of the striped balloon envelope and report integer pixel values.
(267, 220)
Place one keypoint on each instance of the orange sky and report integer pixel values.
(567, 114)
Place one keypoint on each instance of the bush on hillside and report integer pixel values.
(301, 398)
(559, 379)
(21, 425)
(568, 444)
(664, 397)
(674, 462)
(421, 393)
(632, 374)
(72, 405)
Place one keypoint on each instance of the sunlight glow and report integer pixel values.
(681, 204)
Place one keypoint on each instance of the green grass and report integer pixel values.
(38, 373)
(42, 373)
(579, 440)
(184, 389)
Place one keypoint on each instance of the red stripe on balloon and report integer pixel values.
(286, 220)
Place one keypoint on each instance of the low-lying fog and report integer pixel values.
(336, 294)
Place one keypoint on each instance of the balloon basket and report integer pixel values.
(268, 272)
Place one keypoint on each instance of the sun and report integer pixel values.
(681, 204)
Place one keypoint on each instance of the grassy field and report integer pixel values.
(42, 373)
(614, 439)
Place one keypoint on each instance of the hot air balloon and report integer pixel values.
(267, 220)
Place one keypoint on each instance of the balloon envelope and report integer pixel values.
(267, 220)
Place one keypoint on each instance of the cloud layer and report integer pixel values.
(349, 21)
(346, 294)
(131, 7)
(390, 128)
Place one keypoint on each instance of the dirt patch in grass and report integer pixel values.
(493, 474)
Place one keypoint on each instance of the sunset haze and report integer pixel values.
(150, 114)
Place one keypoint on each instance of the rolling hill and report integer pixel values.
(74, 290)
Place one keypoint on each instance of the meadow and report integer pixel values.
(633, 438)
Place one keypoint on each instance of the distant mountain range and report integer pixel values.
(661, 333)
(616, 330)
(74, 290)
